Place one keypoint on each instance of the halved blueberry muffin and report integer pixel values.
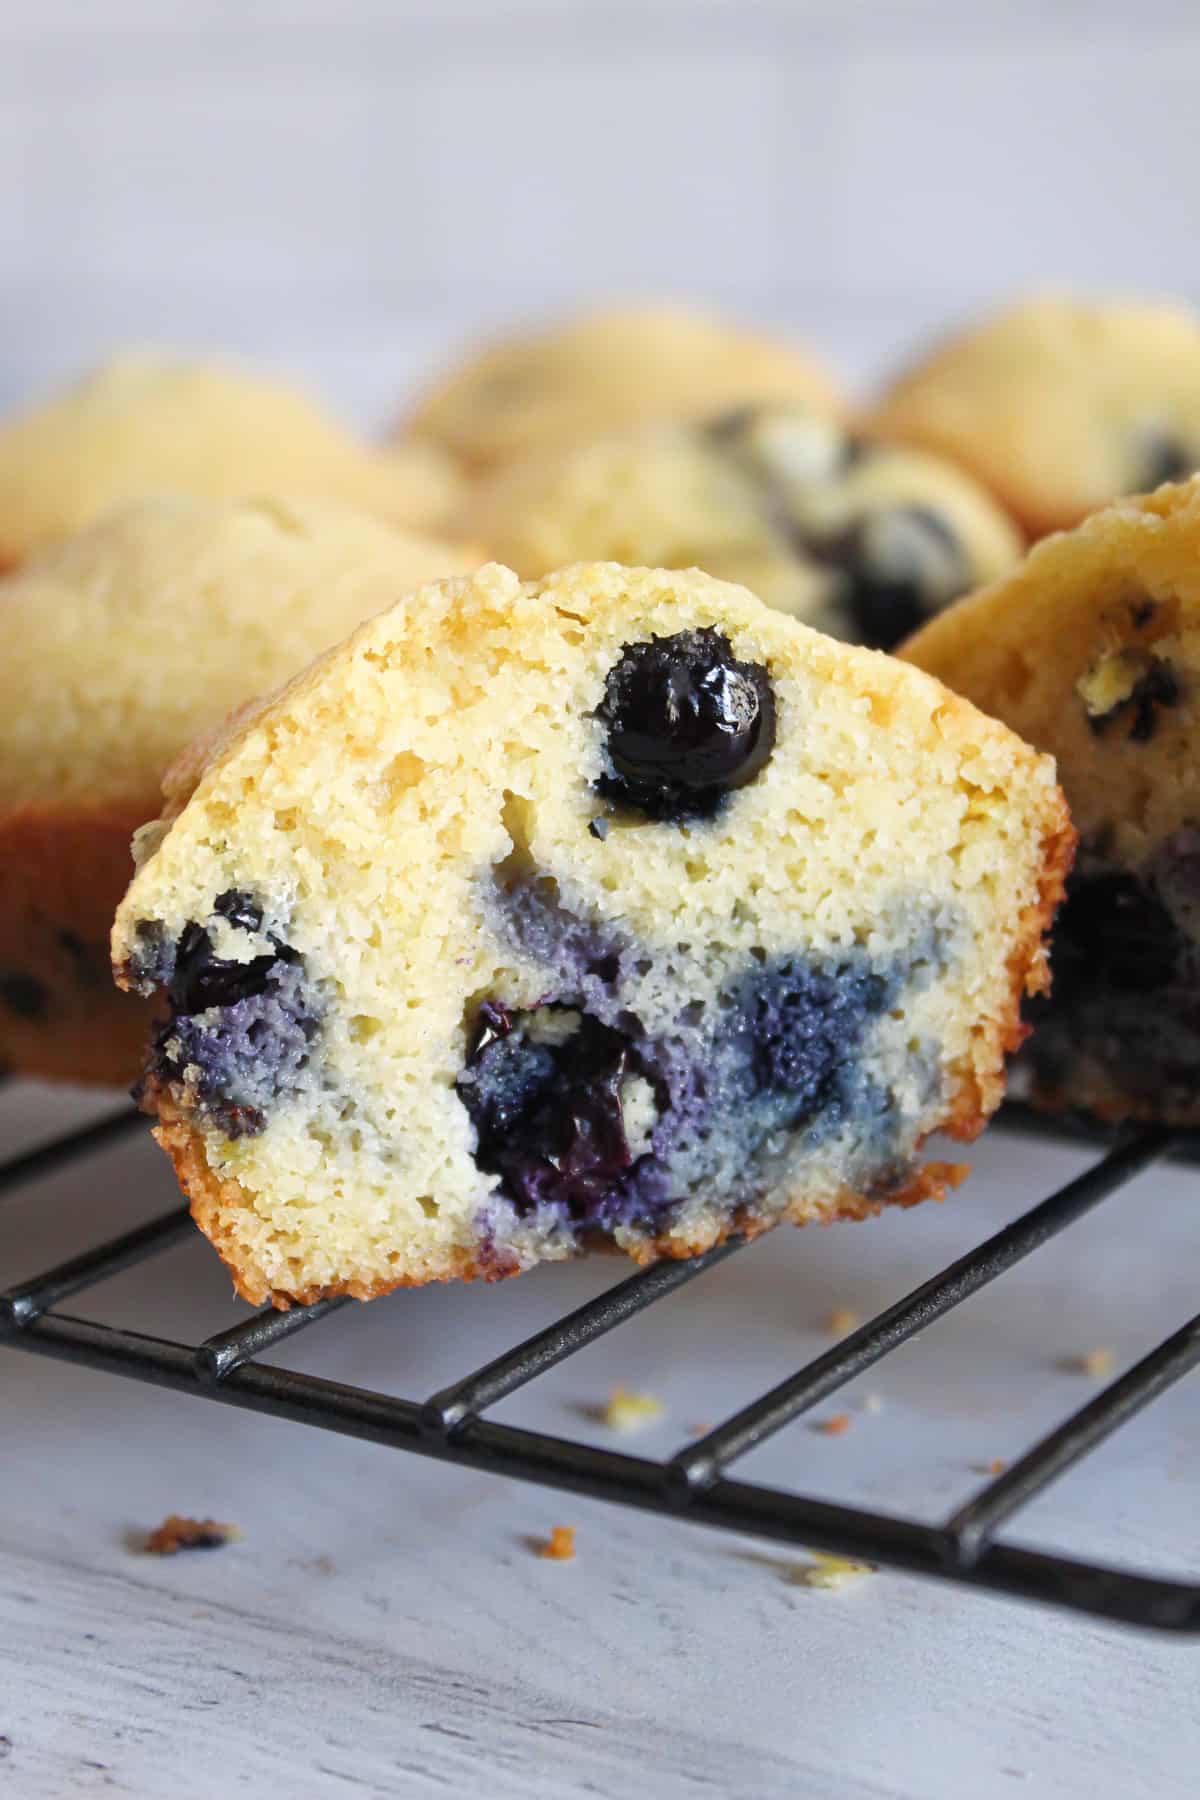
(614, 907)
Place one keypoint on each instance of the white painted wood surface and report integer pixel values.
(386, 1628)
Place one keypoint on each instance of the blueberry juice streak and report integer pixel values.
(239, 1036)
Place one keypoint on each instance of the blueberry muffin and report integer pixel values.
(1059, 406)
(1092, 652)
(120, 645)
(858, 539)
(146, 424)
(613, 908)
(606, 372)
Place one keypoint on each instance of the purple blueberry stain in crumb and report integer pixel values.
(581, 956)
(593, 1124)
(548, 1097)
(240, 1034)
(800, 1024)
(685, 724)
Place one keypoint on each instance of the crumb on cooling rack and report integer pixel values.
(630, 1412)
(1095, 1362)
(995, 1466)
(699, 1430)
(836, 1425)
(179, 1533)
(841, 1320)
(826, 1571)
(560, 1545)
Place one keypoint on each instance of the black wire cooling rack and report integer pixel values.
(694, 1483)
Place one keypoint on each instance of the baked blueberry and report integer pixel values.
(856, 537)
(1129, 682)
(547, 1092)
(203, 979)
(240, 909)
(896, 566)
(1176, 875)
(1162, 457)
(238, 1036)
(1058, 405)
(685, 724)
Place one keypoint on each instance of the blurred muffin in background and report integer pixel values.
(606, 372)
(121, 645)
(859, 539)
(147, 424)
(1058, 405)
(1090, 650)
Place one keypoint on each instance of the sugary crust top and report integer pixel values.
(148, 424)
(123, 642)
(1044, 402)
(604, 372)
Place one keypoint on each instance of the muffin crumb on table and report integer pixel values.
(177, 1532)
(831, 1572)
(560, 1545)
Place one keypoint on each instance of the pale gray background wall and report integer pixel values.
(344, 188)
